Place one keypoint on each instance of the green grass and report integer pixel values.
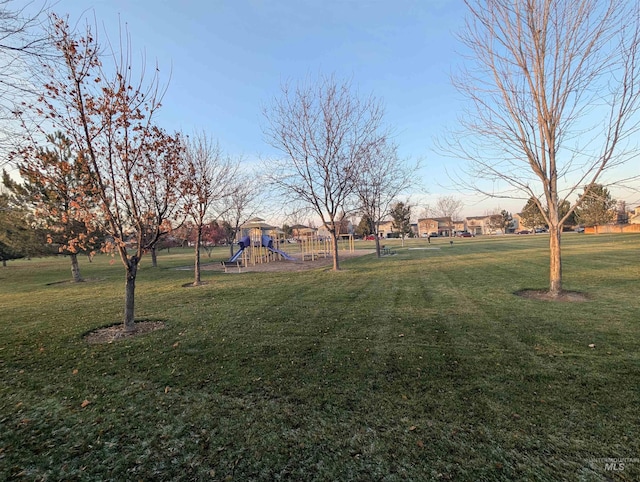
(419, 366)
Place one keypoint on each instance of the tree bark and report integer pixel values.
(154, 257)
(555, 272)
(378, 253)
(130, 289)
(196, 269)
(4, 263)
(334, 239)
(75, 268)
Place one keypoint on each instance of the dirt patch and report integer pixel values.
(109, 334)
(289, 266)
(543, 295)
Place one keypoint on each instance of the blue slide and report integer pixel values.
(243, 243)
(267, 242)
(281, 253)
(236, 256)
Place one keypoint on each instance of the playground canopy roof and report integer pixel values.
(257, 223)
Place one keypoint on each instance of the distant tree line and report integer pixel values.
(597, 206)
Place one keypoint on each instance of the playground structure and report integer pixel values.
(256, 247)
(258, 250)
(261, 243)
(313, 246)
(346, 242)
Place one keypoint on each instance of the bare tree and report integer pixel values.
(448, 208)
(326, 133)
(108, 116)
(208, 180)
(553, 90)
(426, 211)
(240, 205)
(159, 194)
(381, 178)
(22, 43)
(492, 221)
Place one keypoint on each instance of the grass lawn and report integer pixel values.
(418, 366)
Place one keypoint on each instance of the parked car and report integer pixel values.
(541, 230)
(523, 231)
(466, 234)
(371, 237)
(433, 234)
(579, 229)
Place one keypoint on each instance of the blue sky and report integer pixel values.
(227, 59)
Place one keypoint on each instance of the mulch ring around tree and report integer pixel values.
(113, 333)
(544, 295)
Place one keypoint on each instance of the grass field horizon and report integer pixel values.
(419, 366)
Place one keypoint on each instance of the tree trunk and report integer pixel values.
(75, 268)
(555, 261)
(130, 290)
(196, 269)
(154, 257)
(4, 263)
(231, 250)
(378, 253)
(336, 262)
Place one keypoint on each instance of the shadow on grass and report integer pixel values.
(544, 295)
(70, 281)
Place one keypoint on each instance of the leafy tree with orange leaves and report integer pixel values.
(51, 180)
(108, 114)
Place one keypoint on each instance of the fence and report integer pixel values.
(613, 228)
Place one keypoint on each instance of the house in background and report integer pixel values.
(385, 229)
(487, 224)
(427, 226)
(442, 226)
(475, 225)
(300, 231)
(345, 227)
(634, 218)
(518, 225)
